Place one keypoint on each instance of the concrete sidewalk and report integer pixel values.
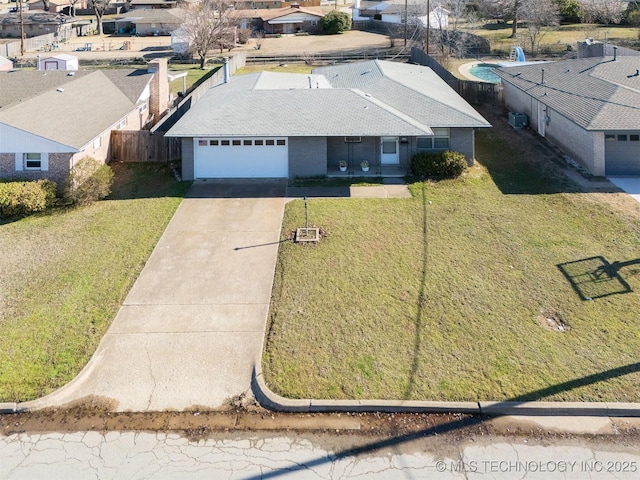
(190, 332)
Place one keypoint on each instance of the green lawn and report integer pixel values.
(445, 296)
(195, 75)
(66, 272)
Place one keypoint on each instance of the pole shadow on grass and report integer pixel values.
(595, 277)
(449, 427)
(421, 300)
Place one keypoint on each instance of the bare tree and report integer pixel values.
(208, 24)
(99, 9)
(539, 13)
(602, 11)
(452, 22)
(504, 10)
(72, 7)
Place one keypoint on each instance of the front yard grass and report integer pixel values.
(66, 272)
(446, 296)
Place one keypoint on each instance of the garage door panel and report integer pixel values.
(622, 153)
(242, 158)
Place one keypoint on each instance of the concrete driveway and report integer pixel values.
(631, 185)
(191, 329)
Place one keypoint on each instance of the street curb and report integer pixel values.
(275, 402)
(8, 407)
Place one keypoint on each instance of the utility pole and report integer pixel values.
(406, 19)
(20, 5)
(428, 24)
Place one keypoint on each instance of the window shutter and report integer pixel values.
(44, 162)
(19, 162)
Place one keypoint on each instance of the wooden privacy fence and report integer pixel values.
(143, 146)
(471, 91)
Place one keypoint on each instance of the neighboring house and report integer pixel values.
(590, 108)
(61, 61)
(417, 14)
(395, 11)
(148, 22)
(271, 4)
(295, 125)
(291, 20)
(51, 119)
(151, 4)
(63, 6)
(35, 24)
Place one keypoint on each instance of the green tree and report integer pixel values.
(569, 10)
(336, 22)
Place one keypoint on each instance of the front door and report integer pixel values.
(390, 153)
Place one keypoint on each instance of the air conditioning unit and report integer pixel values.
(518, 120)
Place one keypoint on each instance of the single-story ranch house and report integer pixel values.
(589, 107)
(295, 125)
(50, 119)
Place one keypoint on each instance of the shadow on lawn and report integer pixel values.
(595, 277)
(421, 301)
(462, 423)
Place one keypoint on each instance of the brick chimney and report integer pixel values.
(159, 91)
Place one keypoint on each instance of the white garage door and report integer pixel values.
(241, 158)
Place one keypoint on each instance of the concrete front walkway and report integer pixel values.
(190, 332)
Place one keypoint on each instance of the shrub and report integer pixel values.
(88, 181)
(442, 164)
(336, 22)
(25, 198)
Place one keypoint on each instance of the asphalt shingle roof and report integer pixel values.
(71, 110)
(596, 93)
(372, 98)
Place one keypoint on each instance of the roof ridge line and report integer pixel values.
(392, 110)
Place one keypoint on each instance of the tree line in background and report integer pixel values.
(454, 39)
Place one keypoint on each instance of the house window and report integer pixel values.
(314, 23)
(271, 142)
(213, 143)
(610, 138)
(247, 143)
(236, 143)
(281, 142)
(424, 142)
(352, 139)
(224, 143)
(258, 143)
(32, 161)
(142, 108)
(97, 143)
(622, 138)
(634, 138)
(121, 124)
(202, 143)
(440, 140)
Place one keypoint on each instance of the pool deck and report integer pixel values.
(465, 70)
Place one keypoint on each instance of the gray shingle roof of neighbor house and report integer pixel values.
(342, 101)
(596, 93)
(71, 110)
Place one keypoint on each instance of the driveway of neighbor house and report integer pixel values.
(191, 329)
(631, 185)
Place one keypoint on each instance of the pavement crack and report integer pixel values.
(153, 378)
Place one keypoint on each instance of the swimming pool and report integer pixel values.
(484, 71)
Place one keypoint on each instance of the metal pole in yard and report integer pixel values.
(306, 218)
